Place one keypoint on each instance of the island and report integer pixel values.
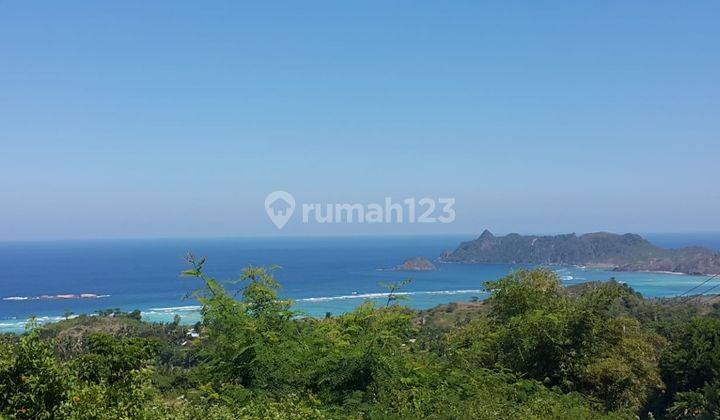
(416, 264)
(628, 252)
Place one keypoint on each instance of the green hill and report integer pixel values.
(628, 252)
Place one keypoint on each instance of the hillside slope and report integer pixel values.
(628, 252)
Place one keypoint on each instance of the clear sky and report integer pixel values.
(156, 119)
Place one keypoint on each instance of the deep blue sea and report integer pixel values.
(46, 279)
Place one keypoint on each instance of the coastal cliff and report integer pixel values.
(628, 252)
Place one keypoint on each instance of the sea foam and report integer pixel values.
(380, 295)
(63, 296)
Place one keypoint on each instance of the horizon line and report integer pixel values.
(339, 236)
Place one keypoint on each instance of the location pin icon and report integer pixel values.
(279, 206)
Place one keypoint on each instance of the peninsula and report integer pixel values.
(628, 252)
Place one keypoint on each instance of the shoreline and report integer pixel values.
(446, 285)
(598, 266)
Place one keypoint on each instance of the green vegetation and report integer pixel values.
(533, 350)
(628, 252)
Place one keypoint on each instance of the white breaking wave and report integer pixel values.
(386, 294)
(15, 325)
(12, 325)
(172, 309)
(377, 295)
(57, 297)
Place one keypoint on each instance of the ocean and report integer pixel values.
(50, 278)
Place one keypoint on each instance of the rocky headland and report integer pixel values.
(627, 252)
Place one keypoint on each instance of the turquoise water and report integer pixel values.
(321, 275)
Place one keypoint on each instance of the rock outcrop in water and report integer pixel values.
(628, 252)
(416, 264)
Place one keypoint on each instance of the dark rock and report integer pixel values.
(416, 264)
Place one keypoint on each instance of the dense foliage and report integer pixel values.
(533, 350)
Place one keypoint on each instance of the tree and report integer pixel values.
(691, 364)
(393, 289)
(33, 383)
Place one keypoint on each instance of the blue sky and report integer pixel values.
(155, 119)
